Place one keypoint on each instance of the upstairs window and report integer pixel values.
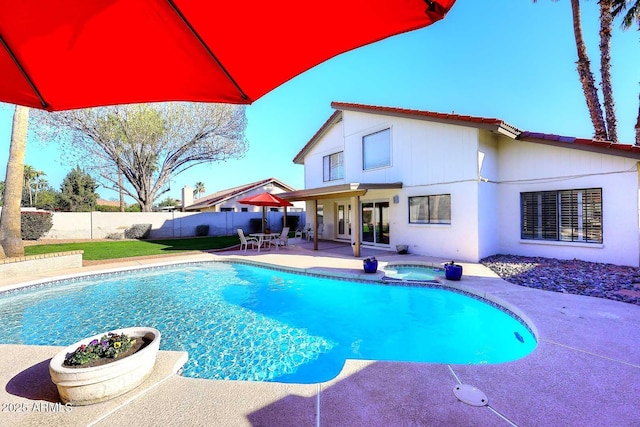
(567, 215)
(376, 150)
(434, 209)
(333, 167)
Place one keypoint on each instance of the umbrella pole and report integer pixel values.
(284, 224)
(264, 219)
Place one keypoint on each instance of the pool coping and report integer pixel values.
(585, 359)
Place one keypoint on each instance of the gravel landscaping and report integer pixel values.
(616, 282)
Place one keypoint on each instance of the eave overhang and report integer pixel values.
(337, 191)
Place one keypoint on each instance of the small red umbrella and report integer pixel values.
(264, 200)
(68, 54)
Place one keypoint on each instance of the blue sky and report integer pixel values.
(509, 59)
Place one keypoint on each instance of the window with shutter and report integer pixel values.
(566, 215)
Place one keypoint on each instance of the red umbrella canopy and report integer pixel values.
(68, 54)
(265, 199)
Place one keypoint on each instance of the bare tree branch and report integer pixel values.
(147, 143)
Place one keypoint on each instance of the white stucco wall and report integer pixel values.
(422, 152)
(488, 225)
(98, 225)
(485, 173)
(457, 241)
(428, 158)
(332, 142)
(534, 167)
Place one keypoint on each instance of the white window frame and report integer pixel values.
(333, 167)
(573, 216)
(429, 209)
(373, 143)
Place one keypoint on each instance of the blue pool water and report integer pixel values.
(413, 272)
(245, 322)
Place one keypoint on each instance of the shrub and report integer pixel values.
(34, 225)
(202, 230)
(138, 231)
(107, 208)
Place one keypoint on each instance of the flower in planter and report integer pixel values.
(109, 346)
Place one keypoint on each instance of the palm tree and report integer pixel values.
(638, 123)
(632, 9)
(606, 28)
(586, 76)
(29, 176)
(38, 184)
(199, 189)
(10, 237)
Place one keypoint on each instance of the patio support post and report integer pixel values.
(314, 224)
(355, 225)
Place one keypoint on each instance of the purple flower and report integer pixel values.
(94, 342)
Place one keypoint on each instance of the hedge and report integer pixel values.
(34, 225)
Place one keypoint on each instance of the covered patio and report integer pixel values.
(352, 219)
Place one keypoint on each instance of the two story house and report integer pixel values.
(463, 187)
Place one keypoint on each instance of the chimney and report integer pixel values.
(187, 197)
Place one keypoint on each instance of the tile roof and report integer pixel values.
(581, 143)
(493, 124)
(418, 113)
(219, 196)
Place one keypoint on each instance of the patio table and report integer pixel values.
(265, 238)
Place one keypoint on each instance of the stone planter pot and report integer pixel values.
(83, 386)
(402, 249)
(452, 271)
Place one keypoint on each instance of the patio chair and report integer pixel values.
(246, 241)
(305, 231)
(310, 232)
(283, 239)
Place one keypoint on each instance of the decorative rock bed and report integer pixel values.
(616, 282)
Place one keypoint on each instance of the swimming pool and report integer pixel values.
(245, 322)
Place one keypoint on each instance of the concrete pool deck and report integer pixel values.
(585, 370)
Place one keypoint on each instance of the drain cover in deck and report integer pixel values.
(470, 395)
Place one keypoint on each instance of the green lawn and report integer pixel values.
(94, 251)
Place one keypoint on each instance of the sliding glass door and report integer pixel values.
(375, 223)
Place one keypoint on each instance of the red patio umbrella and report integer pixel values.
(69, 54)
(264, 200)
